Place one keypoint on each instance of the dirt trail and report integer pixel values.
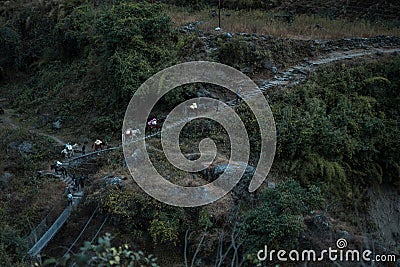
(53, 137)
(291, 76)
(298, 74)
(8, 120)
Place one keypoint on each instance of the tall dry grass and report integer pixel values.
(261, 22)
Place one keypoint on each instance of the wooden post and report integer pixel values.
(219, 13)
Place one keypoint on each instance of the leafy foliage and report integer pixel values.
(278, 220)
(238, 53)
(9, 46)
(164, 228)
(22, 206)
(104, 254)
(131, 25)
(106, 51)
(130, 37)
(341, 127)
(11, 244)
(105, 125)
(135, 211)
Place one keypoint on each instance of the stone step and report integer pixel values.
(78, 194)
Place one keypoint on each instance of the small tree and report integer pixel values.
(104, 254)
(278, 220)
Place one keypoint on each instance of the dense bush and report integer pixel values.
(278, 220)
(105, 254)
(107, 52)
(339, 129)
(22, 193)
(128, 40)
(238, 53)
(134, 211)
(12, 246)
(9, 47)
(342, 126)
(105, 125)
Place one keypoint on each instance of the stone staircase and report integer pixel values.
(68, 180)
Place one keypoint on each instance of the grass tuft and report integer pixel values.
(269, 23)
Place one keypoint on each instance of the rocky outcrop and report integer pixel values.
(240, 192)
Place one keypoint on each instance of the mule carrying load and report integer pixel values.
(97, 145)
(153, 124)
(58, 168)
(68, 151)
(130, 135)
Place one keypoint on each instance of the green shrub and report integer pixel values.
(125, 24)
(11, 245)
(238, 52)
(75, 31)
(105, 125)
(9, 47)
(340, 127)
(104, 254)
(164, 228)
(278, 220)
(133, 211)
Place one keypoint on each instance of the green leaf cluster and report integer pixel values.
(341, 127)
(133, 211)
(278, 220)
(105, 254)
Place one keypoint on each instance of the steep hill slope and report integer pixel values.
(335, 102)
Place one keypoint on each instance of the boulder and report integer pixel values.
(267, 65)
(114, 181)
(25, 147)
(240, 191)
(57, 124)
(247, 70)
(228, 35)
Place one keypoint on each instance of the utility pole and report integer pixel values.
(219, 13)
